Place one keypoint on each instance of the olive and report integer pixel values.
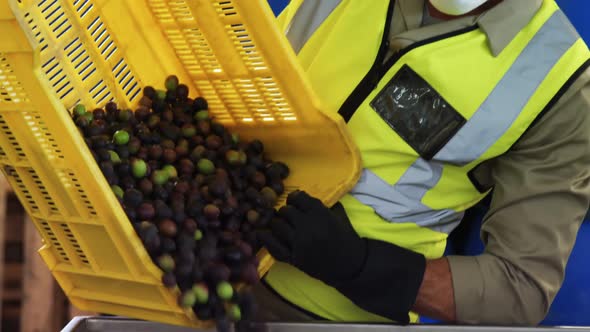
(127, 182)
(146, 211)
(167, 228)
(189, 225)
(169, 156)
(132, 197)
(211, 211)
(168, 115)
(204, 313)
(182, 92)
(233, 255)
(197, 152)
(138, 168)
(170, 97)
(189, 130)
(197, 140)
(149, 92)
(255, 147)
(142, 113)
(186, 166)
(146, 101)
(166, 263)
(169, 280)
(168, 245)
(204, 127)
(206, 166)
(171, 82)
(181, 150)
(224, 290)
(200, 104)
(82, 122)
(232, 157)
(269, 195)
(201, 292)
(134, 145)
(234, 313)
(159, 177)
(213, 142)
(79, 109)
(160, 192)
(258, 180)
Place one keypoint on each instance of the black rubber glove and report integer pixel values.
(379, 277)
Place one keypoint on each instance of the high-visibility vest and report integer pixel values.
(422, 120)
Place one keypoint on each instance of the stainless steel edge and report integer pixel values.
(110, 324)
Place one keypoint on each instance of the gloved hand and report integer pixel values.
(379, 277)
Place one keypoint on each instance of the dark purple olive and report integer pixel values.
(249, 274)
(219, 187)
(255, 147)
(232, 224)
(196, 140)
(160, 193)
(226, 238)
(278, 187)
(245, 248)
(211, 211)
(179, 216)
(146, 211)
(185, 242)
(167, 228)
(110, 107)
(182, 187)
(189, 225)
(132, 198)
(233, 255)
(207, 254)
(169, 280)
(183, 271)
(213, 142)
(130, 212)
(198, 274)
(169, 156)
(182, 92)
(200, 104)
(127, 182)
(146, 101)
(149, 92)
(168, 245)
(151, 243)
(155, 152)
(204, 313)
(145, 186)
(204, 128)
(247, 304)
(217, 272)
(186, 166)
(142, 113)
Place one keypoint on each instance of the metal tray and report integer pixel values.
(110, 324)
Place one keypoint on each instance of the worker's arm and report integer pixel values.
(541, 194)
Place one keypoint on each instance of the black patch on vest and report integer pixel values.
(419, 114)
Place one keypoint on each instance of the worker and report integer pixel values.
(448, 101)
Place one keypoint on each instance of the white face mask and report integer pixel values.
(456, 7)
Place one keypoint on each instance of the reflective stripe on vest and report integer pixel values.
(402, 202)
(309, 16)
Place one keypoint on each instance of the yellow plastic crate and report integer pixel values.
(57, 53)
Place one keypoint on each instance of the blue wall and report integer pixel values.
(578, 12)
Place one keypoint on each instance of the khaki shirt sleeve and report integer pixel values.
(541, 194)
